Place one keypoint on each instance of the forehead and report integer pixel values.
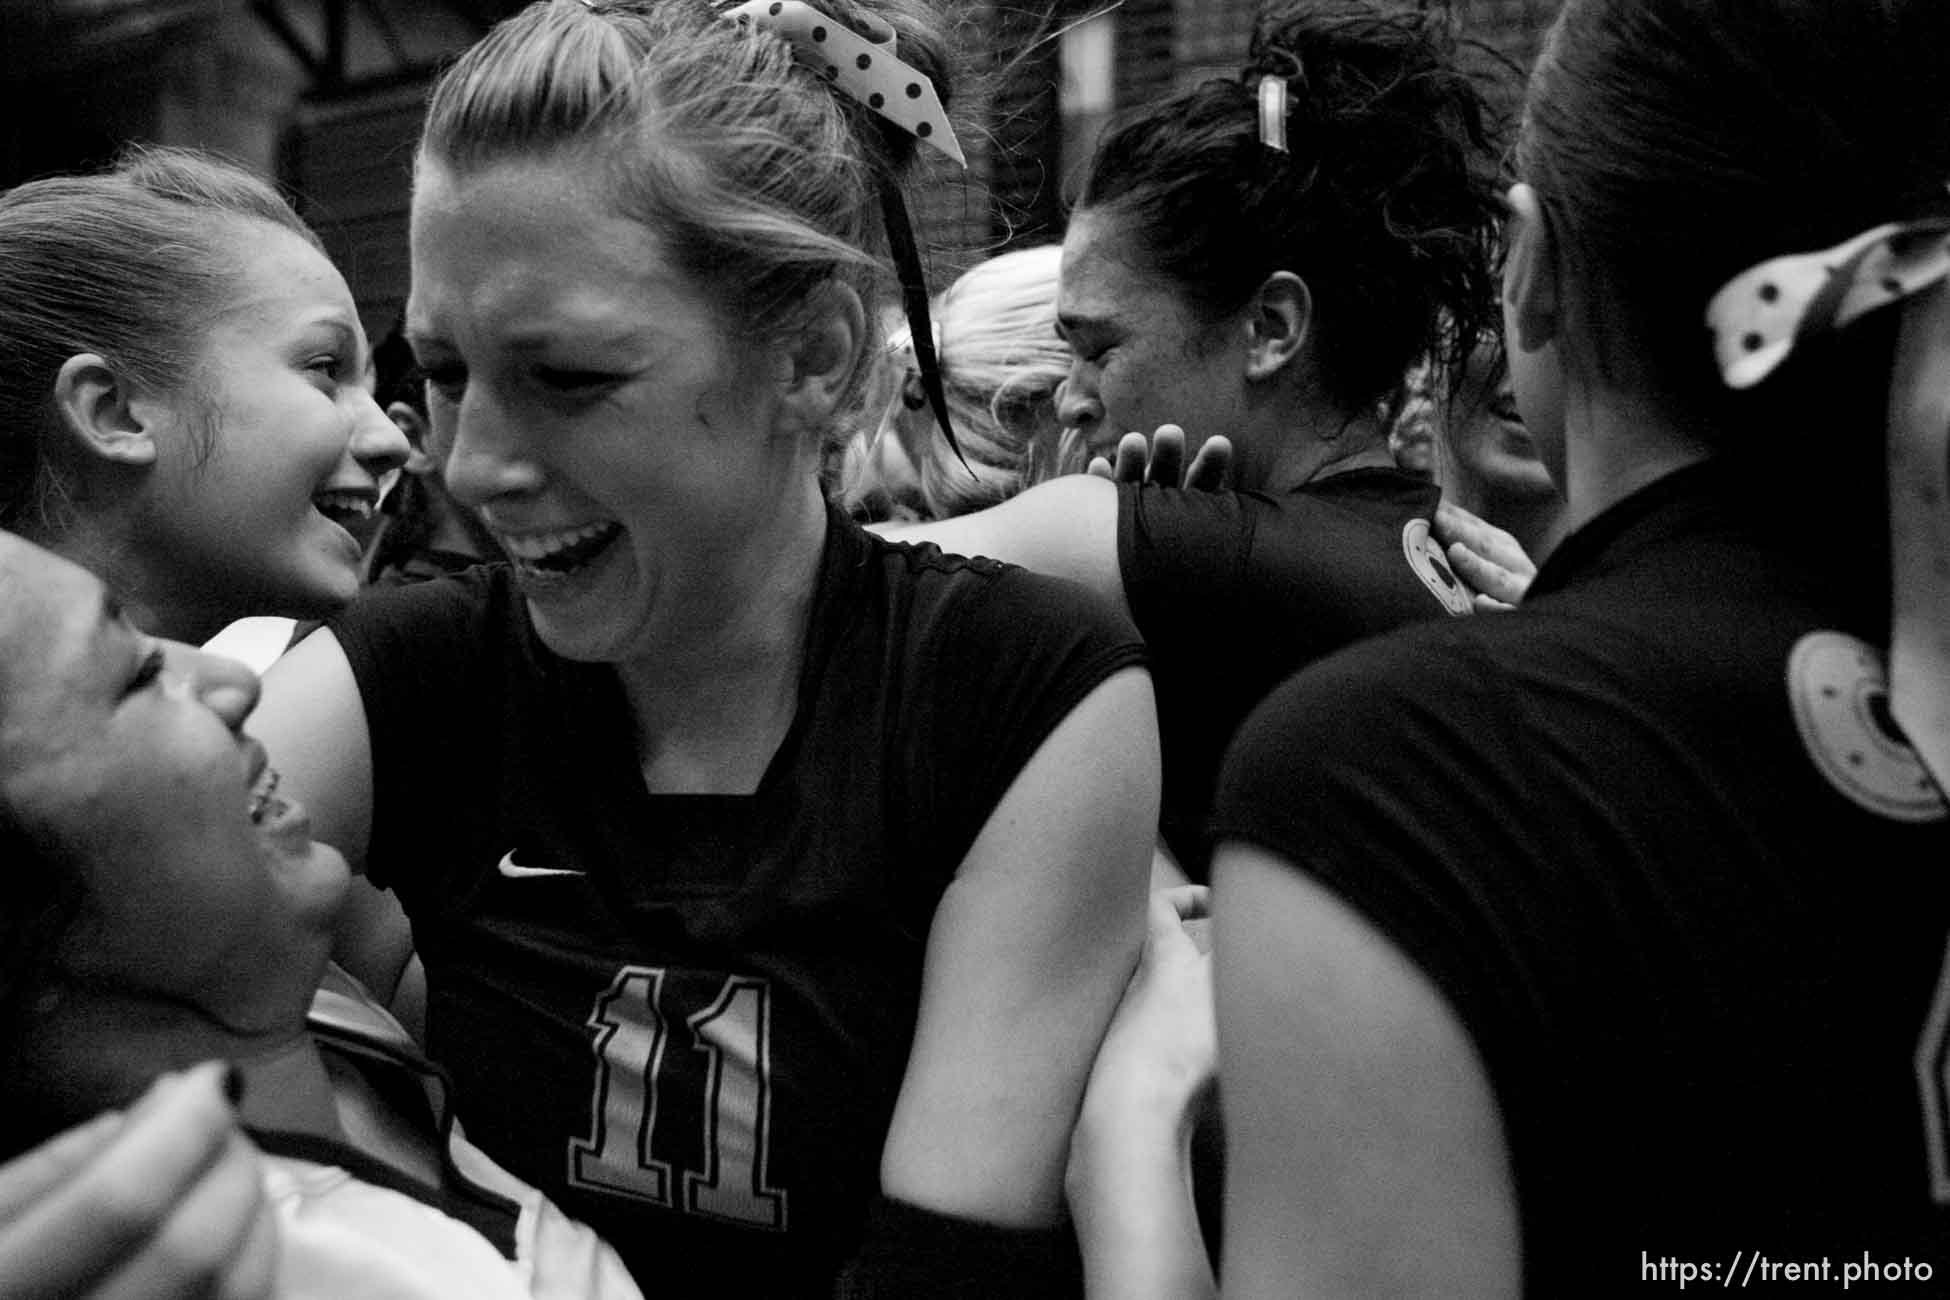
(275, 272)
(1103, 275)
(49, 612)
(538, 243)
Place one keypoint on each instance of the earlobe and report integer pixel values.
(102, 413)
(1280, 324)
(826, 353)
(1530, 288)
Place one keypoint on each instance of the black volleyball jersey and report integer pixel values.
(1654, 839)
(686, 1017)
(1236, 591)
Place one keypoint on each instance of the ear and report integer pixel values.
(1281, 320)
(822, 356)
(414, 425)
(107, 418)
(1530, 275)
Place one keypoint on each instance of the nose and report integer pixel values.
(485, 458)
(377, 443)
(226, 687)
(1077, 406)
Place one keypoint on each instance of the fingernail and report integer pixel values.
(233, 1084)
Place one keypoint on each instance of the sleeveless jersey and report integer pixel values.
(1655, 840)
(685, 1018)
(1235, 591)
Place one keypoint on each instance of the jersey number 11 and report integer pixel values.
(732, 1032)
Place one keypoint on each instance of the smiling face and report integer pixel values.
(1143, 356)
(271, 450)
(123, 755)
(630, 456)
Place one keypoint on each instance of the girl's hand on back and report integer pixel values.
(1485, 557)
(1161, 459)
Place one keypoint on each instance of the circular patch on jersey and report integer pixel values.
(1432, 567)
(1841, 704)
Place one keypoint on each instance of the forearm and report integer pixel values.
(1130, 1190)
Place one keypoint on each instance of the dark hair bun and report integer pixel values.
(1387, 202)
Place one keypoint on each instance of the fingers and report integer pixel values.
(1504, 588)
(1210, 466)
(25, 1180)
(1484, 556)
(1160, 459)
(1455, 525)
(219, 1241)
(161, 1202)
(1133, 457)
(1100, 466)
(1188, 902)
(1179, 922)
(1167, 456)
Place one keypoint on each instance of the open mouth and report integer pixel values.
(265, 801)
(347, 509)
(560, 553)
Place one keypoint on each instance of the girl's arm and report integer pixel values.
(1364, 1150)
(1030, 949)
(312, 721)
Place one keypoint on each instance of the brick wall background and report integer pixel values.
(214, 73)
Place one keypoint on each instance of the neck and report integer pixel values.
(711, 710)
(1324, 441)
(87, 1051)
(158, 608)
(1616, 442)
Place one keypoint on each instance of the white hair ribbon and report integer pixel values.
(867, 70)
(1756, 320)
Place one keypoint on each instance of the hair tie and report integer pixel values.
(1272, 112)
(1760, 315)
(863, 69)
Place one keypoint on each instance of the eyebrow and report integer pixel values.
(582, 335)
(1081, 332)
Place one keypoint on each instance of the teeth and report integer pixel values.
(534, 547)
(356, 504)
(264, 794)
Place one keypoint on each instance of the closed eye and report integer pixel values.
(575, 382)
(147, 670)
(447, 380)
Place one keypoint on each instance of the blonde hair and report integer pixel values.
(762, 182)
(1001, 363)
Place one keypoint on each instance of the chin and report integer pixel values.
(574, 639)
(323, 590)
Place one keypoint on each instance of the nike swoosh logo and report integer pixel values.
(515, 871)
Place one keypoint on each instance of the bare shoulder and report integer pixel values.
(1066, 527)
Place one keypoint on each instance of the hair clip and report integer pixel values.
(1272, 112)
(865, 70)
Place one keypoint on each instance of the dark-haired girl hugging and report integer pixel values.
(1264, 259)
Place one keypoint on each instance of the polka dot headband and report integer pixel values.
(862, 68)
(1758, 318)
(867, 69)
